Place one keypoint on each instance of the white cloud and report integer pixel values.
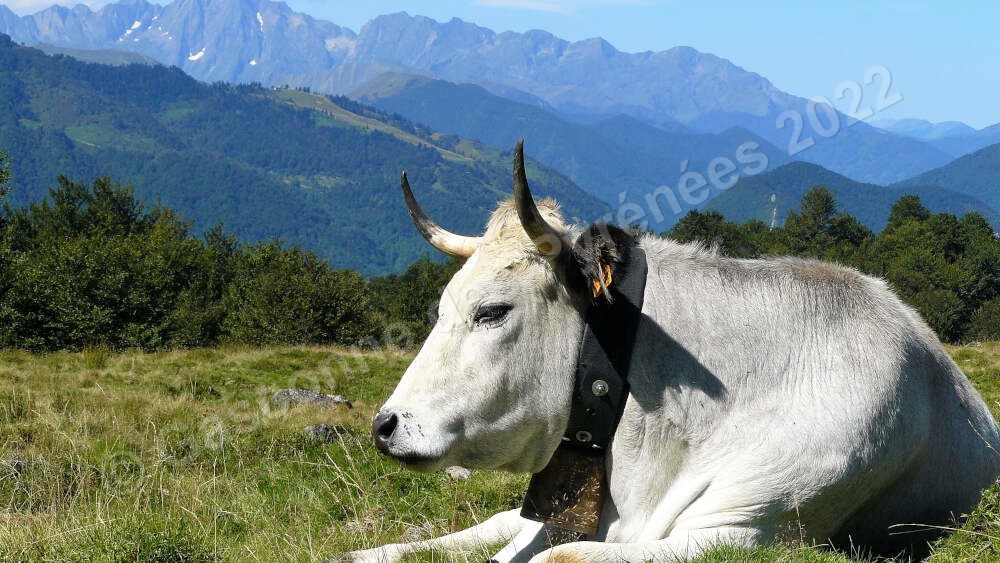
(556, 6)
(24, 7)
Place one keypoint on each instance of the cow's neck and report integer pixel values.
(672, 409)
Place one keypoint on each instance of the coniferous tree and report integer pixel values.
(907, 208)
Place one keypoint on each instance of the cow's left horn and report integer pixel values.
(546, 238)
(454, 245)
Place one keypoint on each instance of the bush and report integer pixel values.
(93, 270)
(200, 311)
(89, 267)
(942, 310)
(281, 296)
(986, 322)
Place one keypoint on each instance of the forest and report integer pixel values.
(91, 266)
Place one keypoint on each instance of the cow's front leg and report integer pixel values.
(533, 539)
(497, 529)
(679, 546)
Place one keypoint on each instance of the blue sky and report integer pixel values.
(943, 56)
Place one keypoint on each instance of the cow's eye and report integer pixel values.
(491, 314)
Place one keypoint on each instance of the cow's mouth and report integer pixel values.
(418, 462)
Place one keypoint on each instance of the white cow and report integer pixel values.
(770, 399)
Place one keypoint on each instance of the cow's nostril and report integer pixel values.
(388, 426)
(383, 428)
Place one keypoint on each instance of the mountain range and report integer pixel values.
(953, 137)
(312, 170)
(924, 129)
(240, 41)
(617, 159)
(435, 98)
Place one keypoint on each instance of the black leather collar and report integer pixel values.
(605, 355)
(569, 491)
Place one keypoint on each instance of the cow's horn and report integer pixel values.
(546, 238)
(445, 241)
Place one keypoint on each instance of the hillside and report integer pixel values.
(605, 158)
(259, 40)
(772, 195)
(264, 163)
(976, 175)
(99, 56)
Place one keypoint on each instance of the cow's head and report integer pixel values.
(492, 384)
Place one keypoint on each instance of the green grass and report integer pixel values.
(340, 117)
(177, 456)
(105, 135)
(176, 113)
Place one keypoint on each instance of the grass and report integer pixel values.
(337, 116)
(106, 135)
(178, 456)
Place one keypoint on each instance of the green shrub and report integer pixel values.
(92, 269)
(289, 296)
(941, 309)
(986, 322)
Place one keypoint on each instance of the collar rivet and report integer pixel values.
(599, 388)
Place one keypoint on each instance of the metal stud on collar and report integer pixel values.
(599, 388)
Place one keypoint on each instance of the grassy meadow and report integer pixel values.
(179, 456)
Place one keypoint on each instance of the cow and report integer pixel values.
(769, 399)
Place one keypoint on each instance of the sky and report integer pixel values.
(942, 57)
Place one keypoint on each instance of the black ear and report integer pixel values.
(597, 257)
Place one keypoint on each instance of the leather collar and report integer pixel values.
(569, 492)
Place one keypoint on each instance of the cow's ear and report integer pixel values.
(597, 256)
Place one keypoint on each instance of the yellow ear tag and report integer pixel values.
(607, 281)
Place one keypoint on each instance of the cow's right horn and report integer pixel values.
(451, 244)
(547, 239)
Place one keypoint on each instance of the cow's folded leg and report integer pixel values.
(497, 529)
(680, 546)
(533, 539)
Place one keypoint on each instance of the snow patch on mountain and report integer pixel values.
(333, 44)
(135, 25)
(198, 55)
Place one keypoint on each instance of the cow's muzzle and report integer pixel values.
(387, 426)
(384, 428)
